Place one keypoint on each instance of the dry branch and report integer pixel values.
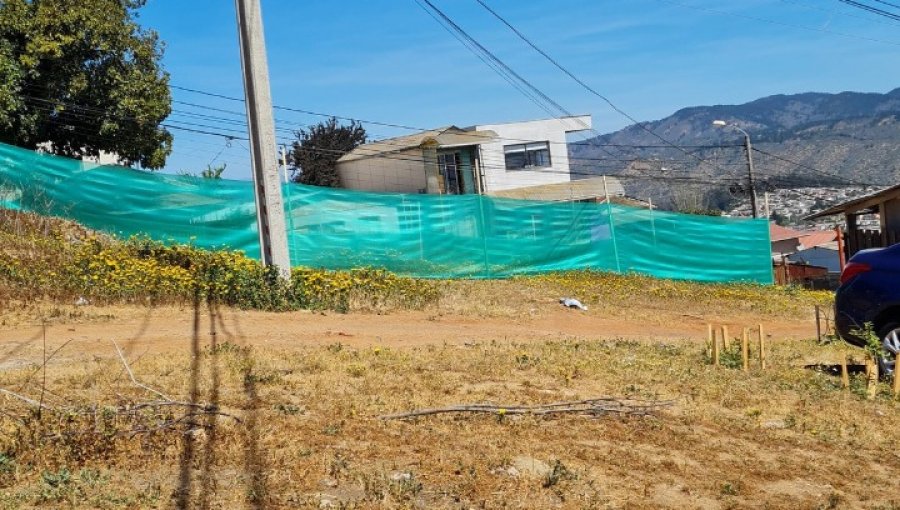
(29, 401)
(591, 407)
(133, 379)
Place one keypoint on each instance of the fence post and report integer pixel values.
(871, 378)
(818, 325)
(484, 246)
(745, 350)
(845, 373)
(612, 226)
(896, 386)
(842, 255)
(762, 348)
(715, 344)
(725, 343)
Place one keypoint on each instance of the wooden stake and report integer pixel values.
(762, 348)
(818, 324)
(745, 350)
(715, 344)
(896, 376)
(725, 341)
(845, 374)
(709, 340)
(871, 378)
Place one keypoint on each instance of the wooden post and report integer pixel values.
(745, 350)
(842, 255)
(871, 378)
(845, 374)
(818, 325)
(715, 344)
(896, 386)
(725, 342)
(762, 348)
(709, 340)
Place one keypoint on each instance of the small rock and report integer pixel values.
(531, 467)
(81, 301)
(774, 424)
(572, 303)
(401, 477)
(197, 434)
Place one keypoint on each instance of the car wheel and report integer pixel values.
(890, 341)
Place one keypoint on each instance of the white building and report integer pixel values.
(484, 159)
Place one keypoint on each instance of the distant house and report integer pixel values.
(884, 204)
(802, 257)
(786, 241)
(484, 159)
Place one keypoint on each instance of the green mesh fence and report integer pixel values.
(431, 236)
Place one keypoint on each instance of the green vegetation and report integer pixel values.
(85, 77)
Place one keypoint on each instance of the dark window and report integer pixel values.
(527, 155)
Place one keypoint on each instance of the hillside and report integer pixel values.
(855, 136)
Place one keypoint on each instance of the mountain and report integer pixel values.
(802, 140)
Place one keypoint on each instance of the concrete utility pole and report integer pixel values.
(261, 126)
(750, 171)
(749, 148)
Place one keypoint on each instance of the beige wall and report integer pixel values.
(400, 172)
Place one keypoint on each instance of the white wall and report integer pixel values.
(493, 163)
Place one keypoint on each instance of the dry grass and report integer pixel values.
(785, 438)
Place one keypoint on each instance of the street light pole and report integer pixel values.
(749, 148)
(261, 127)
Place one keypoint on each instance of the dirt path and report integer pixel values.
(163, 330)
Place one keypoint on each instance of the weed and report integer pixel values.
(333, 429)
(58, 486)
(730, 489)
(405, 487)
(226, 348)
(558, 473)
(7, 464)
(288, 409)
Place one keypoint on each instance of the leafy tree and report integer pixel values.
(83, 77)
(316, 151)
(213, 172)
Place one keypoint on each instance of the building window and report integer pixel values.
(527, 155)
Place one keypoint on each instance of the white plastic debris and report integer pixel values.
(572, 303)
(81, 301)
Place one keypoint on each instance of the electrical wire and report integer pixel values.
(775, 22)
(872, 9)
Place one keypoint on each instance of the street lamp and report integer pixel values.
(722, 124)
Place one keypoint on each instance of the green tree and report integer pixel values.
(213, 172)
(83, 77)
(316, 151)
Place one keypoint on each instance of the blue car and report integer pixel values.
(870, 293)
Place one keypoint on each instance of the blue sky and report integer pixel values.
(387, 60)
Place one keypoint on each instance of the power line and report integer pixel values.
(842, 13)
(883, 2)
(872, 9)
(775, 22)
(581, 82)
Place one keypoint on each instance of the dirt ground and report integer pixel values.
(167, 329)
(309, 389)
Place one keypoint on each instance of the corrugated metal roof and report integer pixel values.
(779, 233)
(449, 136)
